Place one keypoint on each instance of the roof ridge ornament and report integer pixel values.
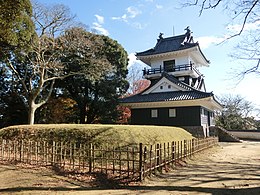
(159, 40)
(161, 35)
(188, 38)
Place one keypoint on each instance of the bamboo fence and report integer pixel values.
(132, 163)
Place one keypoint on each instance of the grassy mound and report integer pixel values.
(114, 134)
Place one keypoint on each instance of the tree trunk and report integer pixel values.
(31, 113)
(82, 113)
(90, 116)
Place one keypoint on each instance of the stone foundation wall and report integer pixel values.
(223, 134)
(196, 131)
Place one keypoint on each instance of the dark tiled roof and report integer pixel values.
(177, 82)
(166, 96)
(173, 80)
(168, 44)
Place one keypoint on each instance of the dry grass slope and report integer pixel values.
(114, 134)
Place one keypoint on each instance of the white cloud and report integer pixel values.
(98, 25)
(133, 61)
(124, 17)
(131, 12)
(137, 25)
(205, 42)
(116, 18)
(100, 19)
(159, 6)
(233, 29)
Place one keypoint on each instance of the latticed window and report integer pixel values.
(154, 113)
(172, 112)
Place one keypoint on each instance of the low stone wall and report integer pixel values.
(246, 134)
(223, 134)
(196, 131)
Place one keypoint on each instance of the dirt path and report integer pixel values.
(231, 168)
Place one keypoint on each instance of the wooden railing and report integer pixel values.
(125, 162)
(176, 68)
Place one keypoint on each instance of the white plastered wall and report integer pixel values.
(179, 60)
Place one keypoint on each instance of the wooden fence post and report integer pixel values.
(173, 152)
(90, 158)
(181, 150)
(185, 148)
(140, 161)
(128, 162)
(145, 162)
(150, 159)
(158, 157)
(190, 148)
(52, 153)
(164, 153)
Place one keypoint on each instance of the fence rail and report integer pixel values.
(175, 68)
(132, 163)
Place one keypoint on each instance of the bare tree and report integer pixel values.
(237, 113)
(135, 80)
(245, 14)
(40, 67)
(51, 20)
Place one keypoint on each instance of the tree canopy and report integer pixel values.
(34, 71)
(17, 28)
(89, 64)
(103, 64)
(236, 114)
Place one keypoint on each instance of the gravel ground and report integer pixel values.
(230, 168)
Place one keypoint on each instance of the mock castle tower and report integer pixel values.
(178, 56)
(177, 95)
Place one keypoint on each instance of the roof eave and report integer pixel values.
(147, 58)
(207, 102)
(203, 57)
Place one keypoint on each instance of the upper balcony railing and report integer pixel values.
(177, 68)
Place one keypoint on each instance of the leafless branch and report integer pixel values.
(17, 75)
(244, 21)
(48, 96)
(51, 20)
(244, 8)
(253, 69)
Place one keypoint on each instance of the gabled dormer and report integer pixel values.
(179, 56)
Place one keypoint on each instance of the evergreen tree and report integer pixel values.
(17, 28)
(103, 64)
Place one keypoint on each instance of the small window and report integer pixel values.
(154, 113)
(181, 79)
(203, 111)
(172, 113)
(169, 65)
(169, 86)
(161, 87)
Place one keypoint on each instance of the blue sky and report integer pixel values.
(136, 24)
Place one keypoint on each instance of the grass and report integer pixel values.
(116, 134)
